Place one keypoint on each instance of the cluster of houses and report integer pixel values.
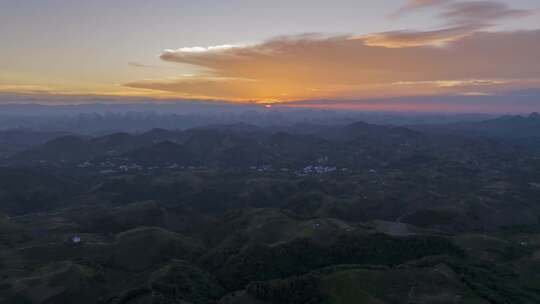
(315, 169)
(111, 168)
(305, 171)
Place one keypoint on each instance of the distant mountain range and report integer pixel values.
(508, 127)
(237, 145)
(100, 119)
(356, 145)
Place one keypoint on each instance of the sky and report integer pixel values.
(349, 53)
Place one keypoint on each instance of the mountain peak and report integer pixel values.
(534, 115)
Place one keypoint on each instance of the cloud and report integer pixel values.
(401, 39)
(25, 89)
(139, 65)
(465, 12)
(317, 66)
(513, 101)
(200, 49)
(460, 19)
(201, 87)
(413, 5)
(458, 58)
(480, 12)
(471, 102)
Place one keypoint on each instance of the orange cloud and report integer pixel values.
(401, 39)
(316, 66)
(459, 58)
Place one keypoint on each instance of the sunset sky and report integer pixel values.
(347, 53)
